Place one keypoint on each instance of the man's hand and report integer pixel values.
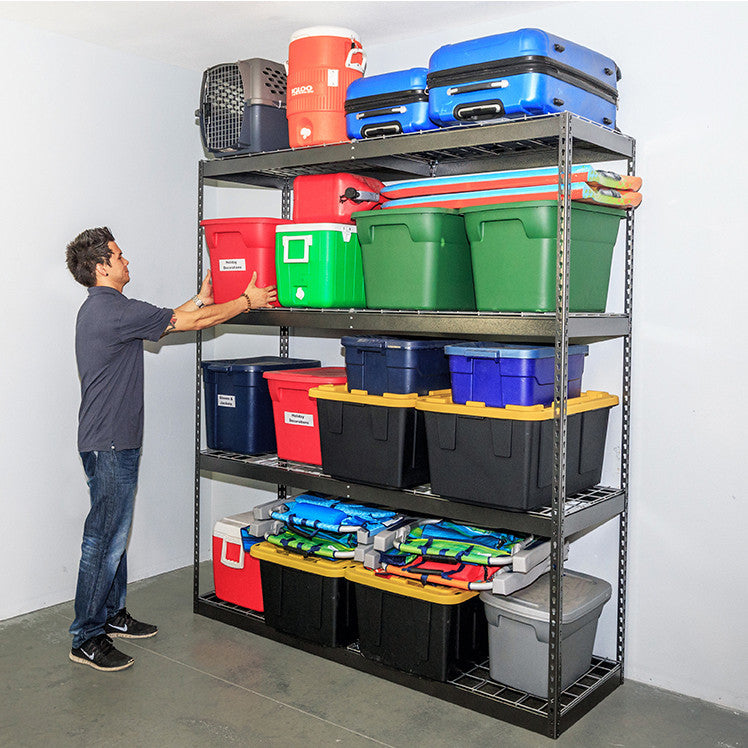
(260, 297)
(206, 290)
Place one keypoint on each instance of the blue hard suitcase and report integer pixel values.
(388, 104)
(520, 74)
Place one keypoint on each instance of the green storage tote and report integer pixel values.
(416, 258)
(318, 265)
(513, 248)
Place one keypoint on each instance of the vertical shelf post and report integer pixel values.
(625, 431)
(561, 378)
(198, 401)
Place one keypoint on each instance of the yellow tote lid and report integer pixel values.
(408, 587)
(362, 397)
(323, 567)
(590, 400)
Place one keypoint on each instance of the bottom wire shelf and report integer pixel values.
(472, 687)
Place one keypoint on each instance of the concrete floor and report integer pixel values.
(200, 682)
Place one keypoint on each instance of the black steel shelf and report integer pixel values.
(529, 326)
(582, 511)
(472, 688)
(520, 143)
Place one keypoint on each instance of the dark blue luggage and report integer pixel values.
(388, 104)
(520, 74)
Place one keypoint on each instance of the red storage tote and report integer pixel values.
(236, 574)
(295, 413)
(237, 247)
(322, 62)
(332, 198)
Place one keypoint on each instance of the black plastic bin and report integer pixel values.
(306, 596)
(380, 440)
(427, 630)
(503, 457)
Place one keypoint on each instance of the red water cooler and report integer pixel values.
(322, 62)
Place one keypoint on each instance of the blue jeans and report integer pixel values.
(102, 576)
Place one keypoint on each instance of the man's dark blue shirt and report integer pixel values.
(109, 336)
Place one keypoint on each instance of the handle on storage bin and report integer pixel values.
(470, 88)
(386, 128)
(307, 239)
(227, 561)
(360, 66)
(484, 110)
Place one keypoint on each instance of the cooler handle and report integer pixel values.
(485, 86)
(359, 196)
(360, 66)
(227, 561)
(307, 239)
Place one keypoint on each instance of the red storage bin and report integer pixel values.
(236, 574)
(237, 247)
(332, 198)
(295, 413)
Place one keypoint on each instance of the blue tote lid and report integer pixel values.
(484, 349)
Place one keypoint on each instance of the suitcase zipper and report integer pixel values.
(469, 74)
(385, 100)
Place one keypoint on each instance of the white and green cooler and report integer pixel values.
(318, 265)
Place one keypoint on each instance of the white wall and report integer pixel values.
(90, 137)
(680, 97)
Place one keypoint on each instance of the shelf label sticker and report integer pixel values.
(227, 266)
(298, 419)
(333, 77)
(226, 401)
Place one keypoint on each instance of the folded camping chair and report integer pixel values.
(316, 543)
(449, 540)
(464, 576)
(333, 515)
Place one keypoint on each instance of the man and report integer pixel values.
(109, 336)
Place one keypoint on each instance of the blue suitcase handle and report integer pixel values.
(483, 110)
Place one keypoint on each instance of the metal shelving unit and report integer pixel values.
(561, 140)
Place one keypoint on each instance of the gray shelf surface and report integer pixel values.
(531, 327)
(523, 143)
(582, 511)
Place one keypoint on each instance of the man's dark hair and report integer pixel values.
(87, 250)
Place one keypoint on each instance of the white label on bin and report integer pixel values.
(298, 419)
(332, 77)
(227, 401)
(226, 266)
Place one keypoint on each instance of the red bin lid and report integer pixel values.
(310, 377)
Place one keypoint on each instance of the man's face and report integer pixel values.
(117, 267)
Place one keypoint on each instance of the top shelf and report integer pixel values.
(527, 143)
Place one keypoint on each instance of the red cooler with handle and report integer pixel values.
(322, 62)
(333, 198)
(237, 247)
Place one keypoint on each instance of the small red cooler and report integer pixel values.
(295, 413)
(237, 247)
(332, 198)
(236, 574)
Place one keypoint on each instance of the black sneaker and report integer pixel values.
(124, 625)
(99, 652)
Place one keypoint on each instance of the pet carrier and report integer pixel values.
(243, 107)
